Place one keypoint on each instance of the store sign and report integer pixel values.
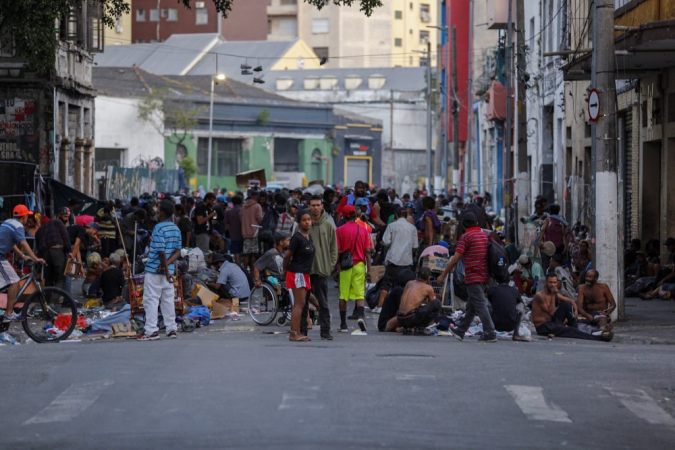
(359, 148)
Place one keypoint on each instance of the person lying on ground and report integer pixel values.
(393, 300)
(232, 281)
(419, 306)
(555, 315)
(506, 309)
(595, 301)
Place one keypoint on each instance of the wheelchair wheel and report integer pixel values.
(281, 320)
(263, 304)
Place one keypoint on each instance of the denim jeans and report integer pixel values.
(477, 305)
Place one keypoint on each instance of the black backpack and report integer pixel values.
(498, 261)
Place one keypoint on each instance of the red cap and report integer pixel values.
(21, 210)
(348, 210)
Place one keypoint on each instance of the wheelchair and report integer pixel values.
(269, 301)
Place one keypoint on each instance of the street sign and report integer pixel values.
(593, 105)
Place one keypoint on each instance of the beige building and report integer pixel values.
(121, 32)
(389, 38)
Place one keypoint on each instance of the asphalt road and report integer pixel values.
(233, 386)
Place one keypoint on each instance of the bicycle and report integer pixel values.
(41, 309)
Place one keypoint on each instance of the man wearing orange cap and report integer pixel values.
(13, 238)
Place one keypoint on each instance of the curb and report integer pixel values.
(637, 340)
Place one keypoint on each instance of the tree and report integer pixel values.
(168, 114)
(31, 22)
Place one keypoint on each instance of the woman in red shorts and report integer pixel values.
(297, 265)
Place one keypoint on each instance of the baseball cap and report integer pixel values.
(221, 198)
(64, 210)
(670, 241)
(302, 206)
(348, 210)
(93, 225)
(361, 202)
(21, 210)
(400, 209)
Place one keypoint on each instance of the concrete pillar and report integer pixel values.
(79, 160)
(64, 147)
(89, 167)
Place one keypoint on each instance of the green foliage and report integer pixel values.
(264, 117)
(168, 114)
(189, 167)
(31, 22)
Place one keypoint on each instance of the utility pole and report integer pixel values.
(606, 250)
(508, 184)
(455, 114)
(469, 117)
(429, 120)
(522, 179)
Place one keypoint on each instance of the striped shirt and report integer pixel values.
(473, 245)
(165, 238)
(11, 233)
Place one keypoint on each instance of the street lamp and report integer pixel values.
(218, 77)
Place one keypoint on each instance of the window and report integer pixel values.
(425, 13)
(106, 157)
(164, 13)
(320, 26)
(140, 15)
(424, 37)
(154, 15)
(398, 42)
(6, 40)
(202, 16)
(226, 153)
(172, 15)
(288, 27)
(321, 52)
(289, 2)
(424, 62)
(398, 14)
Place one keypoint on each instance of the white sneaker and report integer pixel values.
(376, 310)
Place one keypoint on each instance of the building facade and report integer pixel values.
(157, 20)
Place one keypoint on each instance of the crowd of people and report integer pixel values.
(305, 239)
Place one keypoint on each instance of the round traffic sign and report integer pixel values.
(593, 105)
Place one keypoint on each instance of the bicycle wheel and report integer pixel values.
(40, 311)
(263, 304)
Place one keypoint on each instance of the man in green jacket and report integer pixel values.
(325, 242)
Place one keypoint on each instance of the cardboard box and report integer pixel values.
(436, 264)
(206, 296)
(376, 272)
(221, 307)
(122, 330)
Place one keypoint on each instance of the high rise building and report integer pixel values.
(390, 37)
(156, 20)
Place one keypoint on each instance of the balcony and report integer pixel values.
(282, 8)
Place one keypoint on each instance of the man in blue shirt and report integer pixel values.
(13, 238)
(159, 270)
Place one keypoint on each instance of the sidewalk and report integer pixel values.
(648, 322)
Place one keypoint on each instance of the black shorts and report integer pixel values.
(390, 278)
(419, 317)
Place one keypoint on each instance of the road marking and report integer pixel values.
(70, 403)
(531, 401)
(304, 400)
(643, 406)
(412, 377)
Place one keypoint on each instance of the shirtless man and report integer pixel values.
(419, 306)
(596, 302)
(559, 321)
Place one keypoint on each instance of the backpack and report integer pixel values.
(498, 265)
(268, 225)
(555, 232)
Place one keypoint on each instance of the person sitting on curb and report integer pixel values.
(555, 315)
(506, 309)
(596, 302)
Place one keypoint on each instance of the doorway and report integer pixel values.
(651, 191)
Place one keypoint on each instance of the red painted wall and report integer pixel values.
(246, 22)
(458, 13)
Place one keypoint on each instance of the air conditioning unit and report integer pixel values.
(119, 29)
(199, 4)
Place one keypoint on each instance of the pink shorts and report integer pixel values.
(297, 281)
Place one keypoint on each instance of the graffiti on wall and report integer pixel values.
(19, 140)
(124, 183)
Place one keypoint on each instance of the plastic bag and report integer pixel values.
(8, 338)
(62, 322)
(200, 313)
